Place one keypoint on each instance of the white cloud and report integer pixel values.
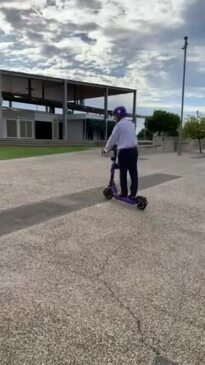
(131, 43)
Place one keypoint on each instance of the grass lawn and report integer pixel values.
(7, 152)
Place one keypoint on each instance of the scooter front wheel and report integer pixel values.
(108, 193)
(141, 202)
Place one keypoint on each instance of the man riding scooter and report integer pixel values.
(124, 136)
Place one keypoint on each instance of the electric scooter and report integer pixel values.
(111, 191)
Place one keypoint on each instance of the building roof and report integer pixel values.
(43, 90)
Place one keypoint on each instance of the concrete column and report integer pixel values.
(106, 112)
(52, 110)
(18, 127)
(134, 117)
(85, 129)
(33, 129)
(53, 129)
(65, 112)
(1, 112)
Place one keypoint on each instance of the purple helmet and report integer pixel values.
(119, 112)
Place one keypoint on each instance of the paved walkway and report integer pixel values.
(83, 281)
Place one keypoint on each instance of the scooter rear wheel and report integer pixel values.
(108, 193)
(141, 202)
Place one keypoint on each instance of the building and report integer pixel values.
(52, 94)
(38, 125)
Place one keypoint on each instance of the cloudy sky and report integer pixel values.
(130, 43)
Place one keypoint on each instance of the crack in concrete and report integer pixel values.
(107, 259)
(178, 318)
(137, 320)
(121, 303)
(118, 300)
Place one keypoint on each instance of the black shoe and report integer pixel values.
(132, 197)
(122, 195)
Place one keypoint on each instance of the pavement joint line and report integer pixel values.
(160, 360)
(27, 215)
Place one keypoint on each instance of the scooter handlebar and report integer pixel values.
(114, 149)
(107, 151)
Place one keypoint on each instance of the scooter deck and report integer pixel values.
(125, 200)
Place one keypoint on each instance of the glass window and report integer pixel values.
(11, 128)
(26, 130)
(22, 128)
(29, 128)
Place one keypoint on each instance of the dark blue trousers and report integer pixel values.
(127, 160)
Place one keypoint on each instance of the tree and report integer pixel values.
(195, 128)
(145, 134)
(163, 123)
(95, 126)
(98, 126)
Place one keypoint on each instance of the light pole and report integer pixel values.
(106, 112)
(183, 90)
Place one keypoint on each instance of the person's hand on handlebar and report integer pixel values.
(104, 151)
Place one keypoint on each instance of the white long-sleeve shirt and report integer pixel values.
(123, 135)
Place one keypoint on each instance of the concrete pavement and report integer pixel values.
(83, 281)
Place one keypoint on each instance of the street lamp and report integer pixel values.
(183, 89)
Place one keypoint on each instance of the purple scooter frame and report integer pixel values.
(111, 191)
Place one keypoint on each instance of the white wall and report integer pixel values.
(75, 125)
(45, 117)
(14, 114)
(4, 132)
(1, 112)
(17, 115)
